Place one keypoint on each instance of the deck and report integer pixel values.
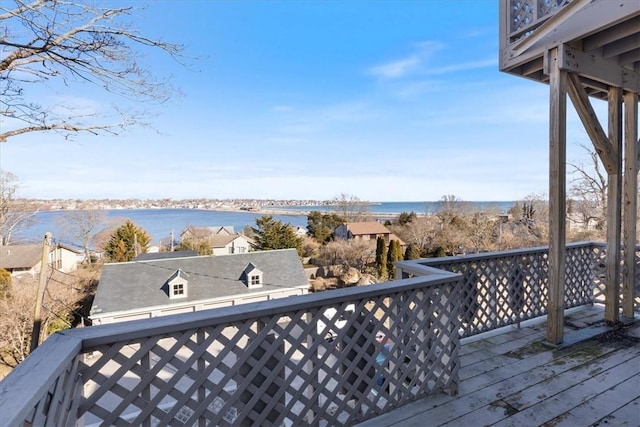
(515, 379)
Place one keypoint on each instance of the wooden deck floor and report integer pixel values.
(515, 379)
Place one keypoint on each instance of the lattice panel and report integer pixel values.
(550, 7)
(507, 289)
(522, 13)
(600, 278)
(324, 366)
(581, 264)
(525, 13)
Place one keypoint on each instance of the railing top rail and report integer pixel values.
(493, 255)
(24, 387)
(132, 330)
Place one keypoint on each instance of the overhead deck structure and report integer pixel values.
(587, 49)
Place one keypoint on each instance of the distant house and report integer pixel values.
(150, 288)
(367, 231)
(223, 240)
(198, 233)
(232, 244)
(27, 259)
(300, 231)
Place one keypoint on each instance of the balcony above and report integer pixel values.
(600, 40)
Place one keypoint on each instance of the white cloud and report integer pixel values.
(408, 64)
(397, 68)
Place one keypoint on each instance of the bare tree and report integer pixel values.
(72, 42)
(482, 231)
(589, 190)
(15, 213)
(419, 232)
(347, 253)
(450, 208)
(83, 226)
(351, 208)
(16, 315)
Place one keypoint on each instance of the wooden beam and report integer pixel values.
(614, 209)
(630, 207)
(629, 58)
(599, 68)
(557, 197)
(591, 124)
(619, 47)
(603, 38)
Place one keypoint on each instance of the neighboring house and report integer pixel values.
(143, 289)
(300, 231)
(232, 244)
(198, 233)
(27, 259)
(369, 230)
(222, 239)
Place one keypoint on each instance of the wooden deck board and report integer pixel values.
(521, 380)
(608, 402)
(627, 416)
(549, 407)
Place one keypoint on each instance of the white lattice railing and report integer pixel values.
(266, 363)
(524, 16)
(600, 277)
(506, 288)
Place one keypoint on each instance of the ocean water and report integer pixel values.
(160, 223)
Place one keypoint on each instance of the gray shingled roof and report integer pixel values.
(165, 255)
(20, 256)
(139, 284)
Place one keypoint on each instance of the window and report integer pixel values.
(255, 280)
(178, 289)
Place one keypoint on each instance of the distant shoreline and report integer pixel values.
(284, 211)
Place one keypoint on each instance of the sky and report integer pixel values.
(298, 99)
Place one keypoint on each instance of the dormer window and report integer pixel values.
(177, 285)
(177, 290)
(255, 280)
(252, 276)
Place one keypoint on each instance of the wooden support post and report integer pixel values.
(614, 209)
(630, 200)
(42, 285)
(557, 197)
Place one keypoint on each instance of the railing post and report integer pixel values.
(631, 160)
(614, 209)
(557, 195)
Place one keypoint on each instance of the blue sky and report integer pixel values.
(384, 100)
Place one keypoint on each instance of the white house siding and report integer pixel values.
(196, 306)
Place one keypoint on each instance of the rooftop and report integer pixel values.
(139, 284)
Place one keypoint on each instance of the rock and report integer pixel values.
(317, 285)
(349, 277)
(367, 279)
